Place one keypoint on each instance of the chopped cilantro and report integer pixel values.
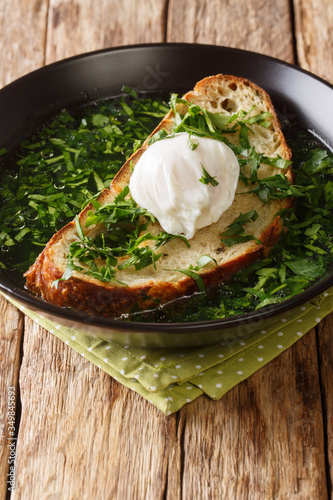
(121, 245)
(207, 178)
(66, 164)
(192, 271)
(235, 233)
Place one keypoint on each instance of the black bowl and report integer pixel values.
(30, 100)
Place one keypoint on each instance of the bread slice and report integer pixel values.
(147, 287)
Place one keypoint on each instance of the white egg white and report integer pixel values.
(166, 181)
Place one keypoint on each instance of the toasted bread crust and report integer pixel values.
(91, 298)
(112, 299)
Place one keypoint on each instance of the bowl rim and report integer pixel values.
(159, 45)
(270, 311)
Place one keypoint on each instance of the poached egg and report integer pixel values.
(170, 180)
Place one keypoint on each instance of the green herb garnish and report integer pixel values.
(192, 271)
(235, 233)
(121, 244)
(199, 122)
(64, 166)
(207, 178)
(275, 187)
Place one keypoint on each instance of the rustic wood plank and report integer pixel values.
(258, 25)
(314, 28)
(82, 26)
(22, 35)
(83, 435)
(11, 328)
(264, 439)
(314, 36)
(254, 433)
(326, 369)
(79, 430)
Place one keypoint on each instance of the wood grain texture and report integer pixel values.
(314, 36)
(268, 435)
(11, 328)
(22, 45)
(258, 25)
(22, 37)
(83, 435)
(82, 26)
(325, 348)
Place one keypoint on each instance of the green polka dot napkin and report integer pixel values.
(170, 378)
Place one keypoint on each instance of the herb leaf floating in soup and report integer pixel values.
(51, 176)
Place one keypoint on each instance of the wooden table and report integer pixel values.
(82, 435)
